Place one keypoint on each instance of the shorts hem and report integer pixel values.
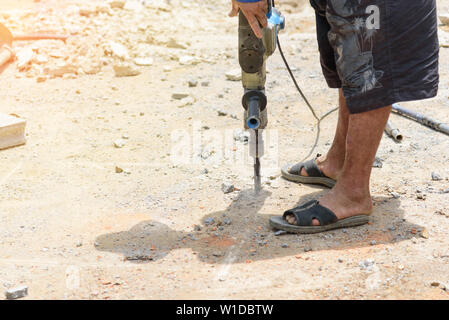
(334, 83)
(372, 101)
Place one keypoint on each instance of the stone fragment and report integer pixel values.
(117, 4)
(425, 234)
(444, 18)
(366, 264)
(186, 102)
(377, 163)
(436, 176)
(145, 62)
(234, 75)
(86, 12)
(188, 60)
(174, 44)
(12, 131)
(280, 233)
(61, 69)
(24, 58)
(179, 95)
(125, 70)
(16, 293)
(227, 187)
(118, 170)
(119, 143)
(222, 113)
(133, 6)
(116, 49)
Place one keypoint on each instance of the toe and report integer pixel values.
(291, 219)
(304, 172)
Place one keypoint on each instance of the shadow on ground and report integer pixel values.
(249, 237)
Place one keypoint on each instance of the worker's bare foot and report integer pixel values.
(343, 202)
(330, 166)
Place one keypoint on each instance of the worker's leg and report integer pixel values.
(351, 195)
(332, 162)
(360, 34)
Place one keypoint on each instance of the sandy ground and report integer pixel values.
(71, 227)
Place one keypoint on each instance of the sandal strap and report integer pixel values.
(310, 166)
(305, 216)
(299, 208)
(312, 169)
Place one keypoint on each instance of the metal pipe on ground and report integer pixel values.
(393, 132)
(420, 118)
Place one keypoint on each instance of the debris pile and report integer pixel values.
(140, 37)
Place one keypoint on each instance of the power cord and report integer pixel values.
(312, 110)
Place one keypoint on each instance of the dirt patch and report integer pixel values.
(120, 169)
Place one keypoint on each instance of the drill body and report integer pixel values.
(253, 54)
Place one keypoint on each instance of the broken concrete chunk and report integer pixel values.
(444, 18)
(119, 143)
(436, 176)
(173, 43)
(188, 60)
(24, 58)
(117, 4)
(133, 6)
(118, 170)
(227, 187)
(192, 83)
(103, 8)
(125, 70)
(143, 61)
(280, 233)
(40, 59)
(12, 131)
(188, 101)
(377, 163)
(117, 50)
(241, 135)
(86, 12)
(234, 75)
(179, 95)
(91, 68)
(16, 293)
(222, 112)
(62, 69)
(139, 257)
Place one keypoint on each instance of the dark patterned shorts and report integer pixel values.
(378, 51)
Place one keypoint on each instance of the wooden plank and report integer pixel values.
(12, 131)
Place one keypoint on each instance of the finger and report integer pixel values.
(265, 6)
(234, 10)
(262, 18)
(254, 23)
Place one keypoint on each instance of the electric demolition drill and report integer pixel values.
(253, 53)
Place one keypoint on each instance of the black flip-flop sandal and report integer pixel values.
(315, 175)
(306, 214)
